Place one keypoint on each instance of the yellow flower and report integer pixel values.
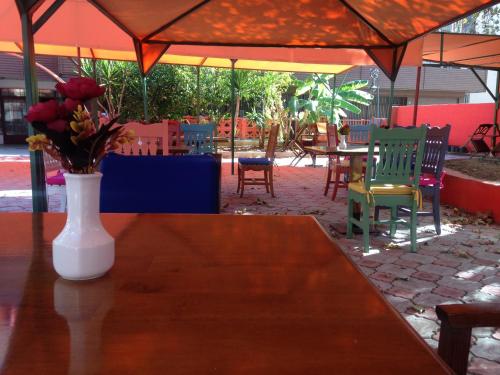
(82, 121)
(37, 142)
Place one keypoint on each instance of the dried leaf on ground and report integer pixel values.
(313, 212)
(260, 202)
(417, 308)
(392, 246)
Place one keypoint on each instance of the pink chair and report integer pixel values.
(148, 139)
(54, 178)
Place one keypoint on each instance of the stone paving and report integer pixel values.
(462, 265)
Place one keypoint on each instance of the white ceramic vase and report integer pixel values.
(342, 143)
(83, 250)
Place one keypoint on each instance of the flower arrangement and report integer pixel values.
(344, 129)
(67, 132)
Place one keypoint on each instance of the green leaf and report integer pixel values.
(355, 96)
(344, 104)
(353, 85)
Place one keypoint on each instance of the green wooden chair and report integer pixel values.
(394, 184)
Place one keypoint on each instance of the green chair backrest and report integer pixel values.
(400, 156)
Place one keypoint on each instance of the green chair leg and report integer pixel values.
(413, 228)
(365, 222)
(394, 217)
(350, 210)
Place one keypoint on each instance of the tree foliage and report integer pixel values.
(172, 90)
(315, 98)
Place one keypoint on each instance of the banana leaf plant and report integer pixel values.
(315, 98)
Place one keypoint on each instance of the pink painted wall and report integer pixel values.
(471, 195)
(463, 118)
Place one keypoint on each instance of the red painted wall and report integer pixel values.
(471, 195)
(463, 118)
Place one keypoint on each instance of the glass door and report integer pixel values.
(14, 126)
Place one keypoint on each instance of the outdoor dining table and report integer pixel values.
(356, 153)
(195, 294)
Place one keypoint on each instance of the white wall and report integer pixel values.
(484, 97)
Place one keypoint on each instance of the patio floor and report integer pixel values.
(461, 265)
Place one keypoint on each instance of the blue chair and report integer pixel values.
(199, 138)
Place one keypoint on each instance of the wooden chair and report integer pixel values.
(431, 178)
(477, 139)
(307, 136)
(174, 132)
(148, 139)
(457, 320)
(259, 164)
(199, 138)
(336, 166)
(54, 178)
(394, 183)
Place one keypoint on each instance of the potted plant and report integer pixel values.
(83, 250)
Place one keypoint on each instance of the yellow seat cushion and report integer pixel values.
(386, 189)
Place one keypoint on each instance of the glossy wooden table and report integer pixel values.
(192, 294)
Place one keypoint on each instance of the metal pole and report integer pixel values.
(198, 91)
(495, 116)
(233, 111)
(417, 96)
(333, 98)
(391, 100)
(39, 190)
(145, 97)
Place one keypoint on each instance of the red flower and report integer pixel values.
(80, 88)
(70, 105)
(57, 125)
(43, 112)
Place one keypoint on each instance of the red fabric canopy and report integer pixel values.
(382, 28)
(350, 32)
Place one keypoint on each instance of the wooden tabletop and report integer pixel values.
(351, 150)
(198, 294)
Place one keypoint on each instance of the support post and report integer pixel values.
(145, 97)
(391, 100)
(417, 96)
(333, 98)
(495, 116)
(233, 111)
(38, 187)
(198, 91)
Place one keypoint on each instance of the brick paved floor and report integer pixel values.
(461, 265)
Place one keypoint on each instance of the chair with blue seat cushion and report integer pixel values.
(199, 138)
(255, 161)
(259, 164)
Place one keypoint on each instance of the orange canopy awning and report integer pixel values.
(381, 28)
(350, 32)
(467, 50)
